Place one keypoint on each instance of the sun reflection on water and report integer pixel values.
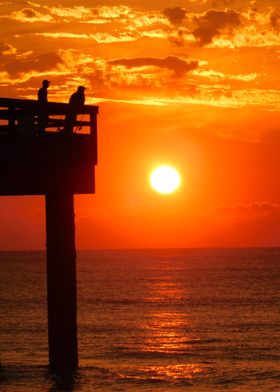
(177, 372)
(164, 333)
(169, 328)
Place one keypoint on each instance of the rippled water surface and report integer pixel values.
(163, 320)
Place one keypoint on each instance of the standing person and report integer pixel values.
(43, 100)
(76, 101)
(43, 92)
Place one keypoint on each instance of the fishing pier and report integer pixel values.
(42, 154)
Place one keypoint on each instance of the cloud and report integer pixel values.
(253, 210)
(59, 35)
(159, 80)
(214, 23)
(226, 28)
(6, 50)
(42, 63)
(179, 66)
(123, 79)
(275, 21)
(101, 38)
(175, 15)
(28, 15)
(81, 14)
(77, 12)
(241, 78)
(181, 36)
(213, 75)
(106, 38)
(114, 12)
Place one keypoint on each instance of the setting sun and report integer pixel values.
(165, 179)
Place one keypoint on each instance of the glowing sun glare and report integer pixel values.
(165, 179)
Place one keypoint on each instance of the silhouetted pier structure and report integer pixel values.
(57, 163)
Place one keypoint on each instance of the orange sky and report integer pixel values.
(191, 83)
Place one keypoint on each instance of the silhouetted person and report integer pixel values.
(43, 100)
(76, 102)
(78, 98)
(43, 92)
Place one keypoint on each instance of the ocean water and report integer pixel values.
(149, 320)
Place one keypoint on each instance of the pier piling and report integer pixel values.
(61, 282)
(58, 165)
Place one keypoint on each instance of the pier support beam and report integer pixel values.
(61, 282)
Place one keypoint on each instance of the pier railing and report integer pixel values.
(22, 117)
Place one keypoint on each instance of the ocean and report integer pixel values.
(149, 320)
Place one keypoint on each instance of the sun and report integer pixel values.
(165, 179)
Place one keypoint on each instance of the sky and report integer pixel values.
(194, 84)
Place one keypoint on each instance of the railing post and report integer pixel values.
(12, 119)
(93, 133)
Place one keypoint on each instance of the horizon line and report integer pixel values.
(154, 248)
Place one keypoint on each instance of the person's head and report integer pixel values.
(46, 83)
(81, 89)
